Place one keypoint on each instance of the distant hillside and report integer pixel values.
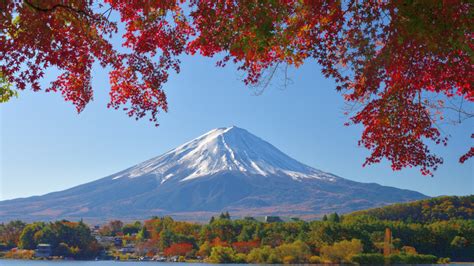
(427, 210)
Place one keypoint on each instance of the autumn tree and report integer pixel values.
(402, 66)
(205, 249)
(293, 242)
(342, 252)
(115, 227)
(295, 252)
(178, 249)
(263, 255)
(10, 233)
(245, 246)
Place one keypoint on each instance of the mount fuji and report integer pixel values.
(226, 169)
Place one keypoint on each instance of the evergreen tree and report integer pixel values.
(334, 217)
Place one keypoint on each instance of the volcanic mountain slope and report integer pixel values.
(225, 169)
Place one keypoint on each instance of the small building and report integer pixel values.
(3, 247)
(273, 219)
(118, 242)
(129, 248)
(105, 240)
(43, 251)
(159, 258)
(95, 230)
(174, 259)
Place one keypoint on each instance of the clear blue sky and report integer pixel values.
(46, 146)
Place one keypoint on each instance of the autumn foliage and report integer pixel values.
(178, 249)
(394, 61)
(245, 246)
(440, 226)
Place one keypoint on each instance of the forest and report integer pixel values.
(419, 234)
(428, 210)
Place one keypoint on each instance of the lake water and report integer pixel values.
(111, 263)
(92, 263)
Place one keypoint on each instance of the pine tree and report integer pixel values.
(334, 217)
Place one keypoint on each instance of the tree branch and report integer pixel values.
(56, 6)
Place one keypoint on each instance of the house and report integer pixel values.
(129, 248)
(95, 230)
(159, 258)
(3, 247)
(174, 259)
(118, 242)
(105, 240)
(273, 219)
(43, 251)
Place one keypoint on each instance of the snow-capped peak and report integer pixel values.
(230, 149)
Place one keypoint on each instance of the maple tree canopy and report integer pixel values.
(390, 59)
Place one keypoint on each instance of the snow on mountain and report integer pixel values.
(223, 150)
(225, 169)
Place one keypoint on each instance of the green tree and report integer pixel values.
(459, 242)
(246, 234)
(133, 228)
(143, 234)
(63, 250)
(334, 217)
(48, 236)
(166, 238)
(205, 249)
(262, 255)
(296, 252)
(27, 240)
(342, 252)
(224, 229)
(369, 259)
(221, 255)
